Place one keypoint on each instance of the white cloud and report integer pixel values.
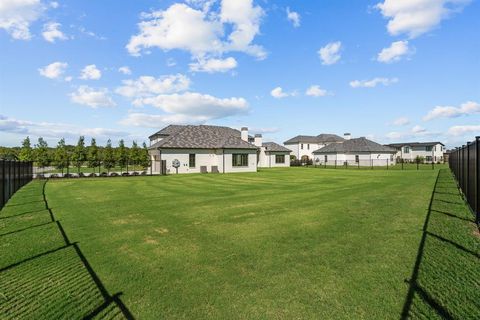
(54, 130)
(402, 121)
(54, 70)
(54, 4)
(91, 97)
(16, 16)
(90, 72)
(415, 132)
(199, 31)
(293, 17)
(171, 62)
(395, 52)
(463, 130)
(147, 86)
(416, 17)
(330, 54)
(214, 65)
(52, 32)
(316, 91)
(278, 93)
(125, 70)
(467, 108)
(373, 82)
(418, 129)
(196, 105)
(156, 120)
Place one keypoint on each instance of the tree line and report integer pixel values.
(63, 156)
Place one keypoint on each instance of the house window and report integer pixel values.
(279, 158)
(428, 158)
(301, 146)
(406, 149)
(191, 160)
(428, 148)
(239, 160)
(326, 158)
(308, 146)
(357, 158)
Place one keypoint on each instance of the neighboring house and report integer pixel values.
(273, 155)
(303, 146)
(358, 151)
(409, 151)
(211, 148)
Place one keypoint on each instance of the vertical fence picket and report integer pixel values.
(13, 176)
(464, 163)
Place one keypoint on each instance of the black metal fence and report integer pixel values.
(14, 175)
(384, 164)
(101, 169)
(465, 164)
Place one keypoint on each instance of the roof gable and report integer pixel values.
(321, 138)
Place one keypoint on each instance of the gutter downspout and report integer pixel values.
(223, 166)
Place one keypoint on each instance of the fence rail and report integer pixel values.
(14, 175)
(465, 165)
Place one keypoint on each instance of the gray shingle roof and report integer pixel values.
(168, 130)
(415, 144)
(355, 145)
(203, 137)
(321, 138)
(274, 147)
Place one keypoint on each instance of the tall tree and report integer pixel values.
(135, 153)
(145, 157)
(108, 156)
(41, 153)
(93, 155)
(61, 155)
(26, 152)
(79, 153)
(122, 154)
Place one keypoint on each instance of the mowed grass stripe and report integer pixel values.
(280, 243)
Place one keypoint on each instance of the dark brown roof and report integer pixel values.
(274, 147)
(321, 138)
(202, 137)
(355, 145)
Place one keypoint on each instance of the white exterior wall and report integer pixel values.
(307, 150)
(267, 160)
(203, 157)
(437, 153)
(365, 158)
(208, 158)
(252, 160)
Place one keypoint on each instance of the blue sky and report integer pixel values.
(391, 70)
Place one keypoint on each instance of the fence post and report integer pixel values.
(477, 180)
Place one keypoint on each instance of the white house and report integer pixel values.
(409, 151)
(303, 146)
(212, 149)
(273, 155)
(355, 152)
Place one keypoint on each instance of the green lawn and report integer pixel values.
(278, 244)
